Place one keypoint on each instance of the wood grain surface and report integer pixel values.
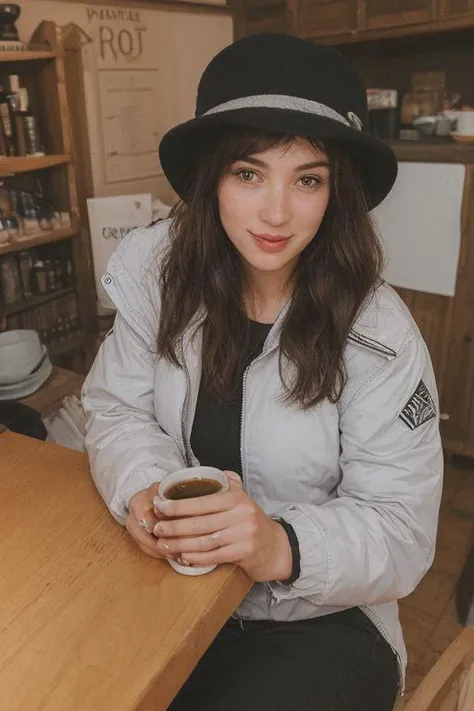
(88, 622)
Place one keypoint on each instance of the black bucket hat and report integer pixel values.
(285, 84)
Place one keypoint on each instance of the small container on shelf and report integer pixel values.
(64, 221)
(12, 226)
(51, 273)
(25, 262)
(10, 280)
(41, 276)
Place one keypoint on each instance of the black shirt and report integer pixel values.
(215, 437)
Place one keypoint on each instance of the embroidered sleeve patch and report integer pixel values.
(419, 409)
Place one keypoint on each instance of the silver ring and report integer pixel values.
(182, 561)
(143, 523)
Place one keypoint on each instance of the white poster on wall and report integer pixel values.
(111, 219)
(131, 131)
(420, 226)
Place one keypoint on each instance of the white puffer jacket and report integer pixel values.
(359, 481)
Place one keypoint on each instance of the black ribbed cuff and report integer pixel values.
(295, 551)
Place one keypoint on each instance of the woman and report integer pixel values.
(253, 333)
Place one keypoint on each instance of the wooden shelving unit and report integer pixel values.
(35, 301)
(39, 240)
(14, 165)
(66, 345)
(42, 68)
(27, 55)
(433, 152)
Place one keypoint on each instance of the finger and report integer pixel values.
(199, 544)
(196, 525)
(227, 554)
(146, 541)
(234, 479)
(199, 506)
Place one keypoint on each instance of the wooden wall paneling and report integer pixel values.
(468, 315)
(459, 378)
(433, 315)
(407, 295)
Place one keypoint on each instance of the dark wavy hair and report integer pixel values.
(334, 275)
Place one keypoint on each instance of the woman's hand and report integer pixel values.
(142, 519)
(224, 528)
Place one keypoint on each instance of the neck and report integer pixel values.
(266, 294)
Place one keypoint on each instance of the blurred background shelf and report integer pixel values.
(38, 240)
(11, 165)
(26, 55)
(34, 301)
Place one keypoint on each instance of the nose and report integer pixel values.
(275, 206)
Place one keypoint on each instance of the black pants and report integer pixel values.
(338, 662)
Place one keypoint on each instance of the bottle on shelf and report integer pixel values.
(10, 280)
(6, 126)
(16, 121)
(29, 125)
(25, 129)
(25, 263)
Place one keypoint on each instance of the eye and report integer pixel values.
(310, 181)
(246, 175)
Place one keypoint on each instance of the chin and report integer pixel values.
(268, 264)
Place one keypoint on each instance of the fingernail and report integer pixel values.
(161, 504)
(164, 544)
(158, 529)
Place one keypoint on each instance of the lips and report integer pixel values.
(270, 238)
(270, 243)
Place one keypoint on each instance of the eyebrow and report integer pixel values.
(305, 166)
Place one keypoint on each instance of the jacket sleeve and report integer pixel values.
(375, 540)
(127, 449)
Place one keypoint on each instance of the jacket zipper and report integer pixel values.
(184, 412)
(375, 621)
(242, 423)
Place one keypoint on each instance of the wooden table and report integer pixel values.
(87, 621)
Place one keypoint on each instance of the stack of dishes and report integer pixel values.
(24, 364)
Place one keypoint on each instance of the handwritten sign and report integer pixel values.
(110, 220)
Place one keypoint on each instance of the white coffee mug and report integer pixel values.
(465, 123)
(188, 475)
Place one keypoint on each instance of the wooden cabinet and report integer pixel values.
(253, 16)
(382, 14)
(342, 21)
(456, 8)
(323, 18)
(46, 259)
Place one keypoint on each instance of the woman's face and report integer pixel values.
(271, 204)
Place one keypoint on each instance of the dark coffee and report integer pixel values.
(193, 487)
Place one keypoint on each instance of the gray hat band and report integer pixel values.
(282, 101)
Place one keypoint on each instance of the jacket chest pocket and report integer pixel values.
(289, 454)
